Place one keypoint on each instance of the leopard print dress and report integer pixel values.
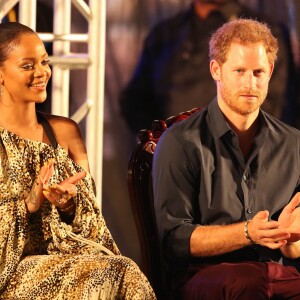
(41, 255)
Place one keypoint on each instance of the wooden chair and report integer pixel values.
(141, 197)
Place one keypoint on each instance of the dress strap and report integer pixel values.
(48, 129)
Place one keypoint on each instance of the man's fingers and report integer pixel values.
(276, 245)
(263, 215)
(292, 204)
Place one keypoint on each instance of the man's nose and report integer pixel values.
(250, 80)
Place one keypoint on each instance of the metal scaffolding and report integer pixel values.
(63, 61)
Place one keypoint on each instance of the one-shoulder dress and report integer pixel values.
(44, 257)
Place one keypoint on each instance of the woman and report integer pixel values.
(54, 243)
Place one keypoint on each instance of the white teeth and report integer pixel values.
(38, 84)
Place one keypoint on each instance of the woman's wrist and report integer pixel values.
(35, 197)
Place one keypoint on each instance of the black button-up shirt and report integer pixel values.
(201, 177)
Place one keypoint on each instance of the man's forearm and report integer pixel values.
(217, 239)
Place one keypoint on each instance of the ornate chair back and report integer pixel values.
(141, 197)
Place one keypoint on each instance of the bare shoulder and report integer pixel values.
(68, 135)
(64, 128)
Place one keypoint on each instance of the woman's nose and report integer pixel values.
(41, 70)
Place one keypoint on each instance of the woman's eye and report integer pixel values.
(46, 62)
(27, 67)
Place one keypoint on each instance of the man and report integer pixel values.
(172, 77)
(226, 180)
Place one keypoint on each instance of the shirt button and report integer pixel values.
(249, 211)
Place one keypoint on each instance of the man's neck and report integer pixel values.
(242, 124)
(245, 127)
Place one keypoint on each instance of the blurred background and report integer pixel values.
(127, 24)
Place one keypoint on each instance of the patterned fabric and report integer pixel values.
(41, 256)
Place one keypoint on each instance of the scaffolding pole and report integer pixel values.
(96, 74)
(63, 61)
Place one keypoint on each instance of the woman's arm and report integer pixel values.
(36, 197)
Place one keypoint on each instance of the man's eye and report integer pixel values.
(258, 72)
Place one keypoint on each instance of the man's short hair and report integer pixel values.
(245, 32)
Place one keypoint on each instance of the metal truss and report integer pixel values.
(63, 61)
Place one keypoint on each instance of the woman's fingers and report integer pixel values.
(52, 197)
(56, 199)
(66, 191)
(46, 172)
(75, 178)
(59, 194)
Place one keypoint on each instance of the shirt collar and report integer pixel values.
(218, 121)
(220, 126)
(266, 120)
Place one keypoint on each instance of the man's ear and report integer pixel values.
(271, 69)
(1, 76)
(215, 69)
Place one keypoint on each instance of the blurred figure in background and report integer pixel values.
(172, 74)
